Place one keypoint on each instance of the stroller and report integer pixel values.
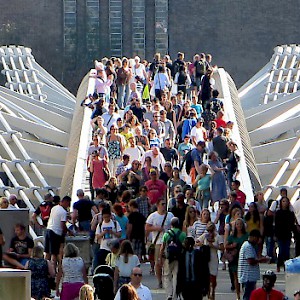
(103, 281)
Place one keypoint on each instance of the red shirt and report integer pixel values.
(156, 189)
(241, 197)
(261, 294)
(221, 123)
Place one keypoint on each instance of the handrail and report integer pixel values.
(248, 173)
(75, 169)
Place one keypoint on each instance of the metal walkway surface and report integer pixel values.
(271, 105)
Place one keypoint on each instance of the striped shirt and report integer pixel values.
(199, 228)
(247, 272)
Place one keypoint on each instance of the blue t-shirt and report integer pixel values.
(196, 156)
(198, 108)
(123, 221)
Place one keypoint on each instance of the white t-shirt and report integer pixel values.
(125, 269)
(158, 161)
(197, 133)
(135, 153)
(156, 219)
(110, 119)
(107, 238)
(139, 71)
(58, 214)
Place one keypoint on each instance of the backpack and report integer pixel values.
(174, 247)
(200, 68)
(175, 68)
(181, 78)
(187, 159)
(45, 211)
(215, 105)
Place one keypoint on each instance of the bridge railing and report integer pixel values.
(248, 175)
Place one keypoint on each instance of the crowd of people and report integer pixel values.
(163, 173)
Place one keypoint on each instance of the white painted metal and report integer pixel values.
(271, 103)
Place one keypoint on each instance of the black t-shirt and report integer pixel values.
(179, 213)
(169, 154)
(137, 220)
(84, 207)
(138, 112)
(21, 246)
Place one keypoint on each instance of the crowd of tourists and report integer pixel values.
(164, 188)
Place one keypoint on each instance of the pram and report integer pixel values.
(103, 280)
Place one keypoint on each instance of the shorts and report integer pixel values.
(138, 247)
(53, 242)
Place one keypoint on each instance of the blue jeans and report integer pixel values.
(248, 287)
(121, 95)
(284, 251)
(270, 245)
(95, 263)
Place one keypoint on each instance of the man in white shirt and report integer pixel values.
(158, 223)
(135, 152)
(157, 159)
(198, 132)
(110, 117)
(56, 229)
(143, 292)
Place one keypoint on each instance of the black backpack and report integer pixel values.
(200, 68)
(181, 78)
(187, 159)
(215, 105)
(175, 68)
(174, 247)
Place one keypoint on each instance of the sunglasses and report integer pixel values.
(137, 274)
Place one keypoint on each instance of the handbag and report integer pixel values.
(105, 173)
(230, 254)
(151, 248)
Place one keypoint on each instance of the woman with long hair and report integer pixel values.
(115, 147)
(215, 242)
(125, 263)
(189, 220)
(218, 182)
(171, 115)
(40, 269)
(123, 78)
(220, 218)
(146, 169)
(174, 181)
(234, 243)
(199, 226)
(72, 271)
(112, 189)
(284, 224)
(99, 169)
(252, 218)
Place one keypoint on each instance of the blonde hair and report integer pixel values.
(37, 252)
(86, 292)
